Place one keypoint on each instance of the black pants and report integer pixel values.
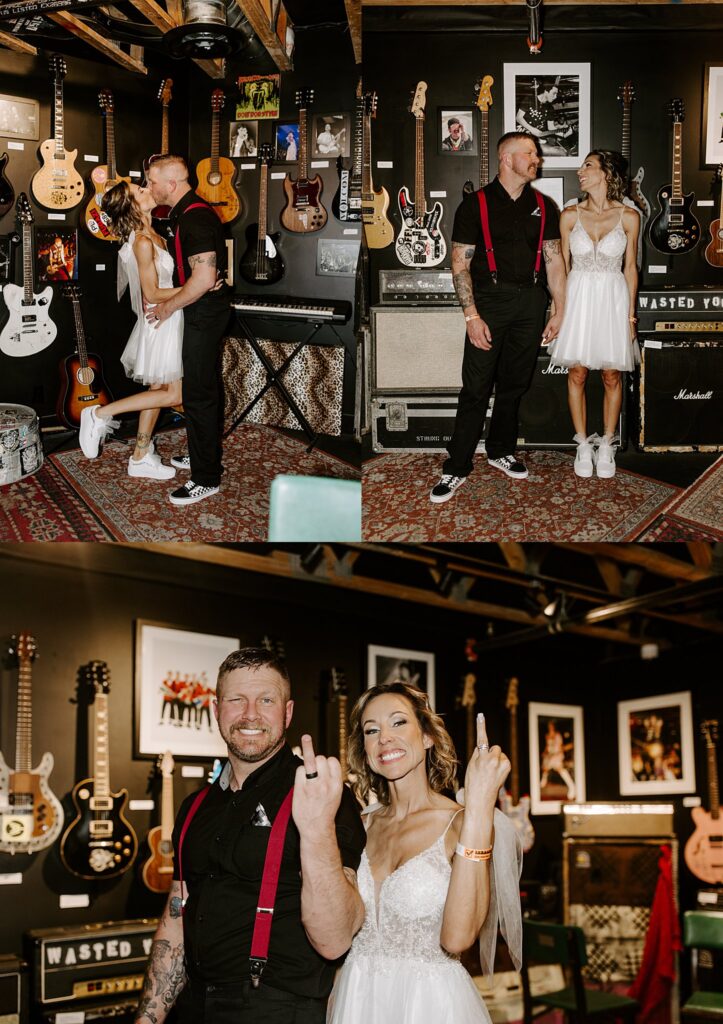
(242, 1004)
(204, 326)
(516, 317)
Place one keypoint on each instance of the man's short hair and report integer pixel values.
(508, 137)
(255, 658)
(167, 160)
(453, 120)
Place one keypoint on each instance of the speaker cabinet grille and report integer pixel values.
(681, 389)
(417, 349)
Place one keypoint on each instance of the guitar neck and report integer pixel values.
(110, 143)
(80, 334)
(420, 200)
(484, 155)
(358, 141)
(303, 165)
(101, 751)
(343, 700)
(215, 142)
(625, 144)
(59, 130)
(167, 808)
(164, 130)
(367, 183)
(677, 160)
(23, 751)
(515, 773)
(28, 286)
(713, 782)
(263, 200)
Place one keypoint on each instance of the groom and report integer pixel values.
(197, 244)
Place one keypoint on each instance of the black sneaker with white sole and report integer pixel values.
(181, 461)
(191, 493)
(446, 488)
(511, 466)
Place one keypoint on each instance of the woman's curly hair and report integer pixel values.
(122, 210)
(441, 756)
(615, 168)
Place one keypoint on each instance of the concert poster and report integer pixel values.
(259, 97)
(56, 255)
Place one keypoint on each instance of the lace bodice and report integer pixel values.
(604, 256)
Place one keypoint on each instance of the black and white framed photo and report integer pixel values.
(243, 138)
(287, 142)
(331, 135)
(387, 664)
(552, 102)
(175, 685)
(557, 756)
(655, 745)
(711, 135)
(337, 256)
(19, 118)
(455, 132)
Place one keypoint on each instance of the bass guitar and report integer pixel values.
(99, 842)
(7, 192)
(157, 871)
(216, 173)
(483, 92)
(57, 185)
(378, 230)
(104, 176)
(81, 374)
(29, 328)
(261, 263)
(164, 98)
(347, 203)
(304, 211)
(704, 850)
(626, 95)
(515, 807)
(714, 249)
(675, 229)
(31, 816)
(420, 242)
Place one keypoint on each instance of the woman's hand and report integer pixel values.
(317, 791)
(486, 772)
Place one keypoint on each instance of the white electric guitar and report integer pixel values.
(29, 328)
(515, 807)
(420, 243)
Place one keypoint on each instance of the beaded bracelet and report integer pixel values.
(471, 854)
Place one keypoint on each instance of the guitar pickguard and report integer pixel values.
(31, 816)
(420, 243)
(636, 193)
(674, 230)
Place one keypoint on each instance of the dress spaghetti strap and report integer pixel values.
(459, 811)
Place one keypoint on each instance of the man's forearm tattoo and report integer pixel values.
(210, 259)
(550, 249)
(463, 287)
(164, 980)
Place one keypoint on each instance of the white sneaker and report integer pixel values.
(92, 431)
(150, 466)
(605, 460)
(583, 456)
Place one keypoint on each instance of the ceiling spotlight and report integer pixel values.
(534, 37)
(204, 32)
(648, 652)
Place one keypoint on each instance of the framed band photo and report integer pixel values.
(175, 684)
(711, 135)
(387, 664)
(655, 745)
(552, 103)
(557, 756)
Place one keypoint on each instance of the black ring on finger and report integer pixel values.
(312, 775)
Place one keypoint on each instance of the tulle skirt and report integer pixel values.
(153, 355)
(595, 329)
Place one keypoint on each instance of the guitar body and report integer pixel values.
(714, 249)
(57, 185)
(636, 193)
(377, 226)
(80, 386)
(216, 188)
(31, 816)
(88, 855)
(519, 815)
(93, 217)
(347, 202)
(7, 193)
(675, 229)
(29, 328)
(157, 871)
(272, 266)
(420, 242)
(303, 212)
(704, 850)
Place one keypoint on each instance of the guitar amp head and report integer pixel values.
(618, 819)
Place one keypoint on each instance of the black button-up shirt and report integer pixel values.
(201, 231)
(515, 233)
(223, 860)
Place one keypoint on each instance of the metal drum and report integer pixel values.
(21, 452)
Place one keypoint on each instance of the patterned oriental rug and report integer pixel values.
(72, 498)
(552, 504)
(697, 513)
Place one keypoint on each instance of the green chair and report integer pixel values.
(702, 930)
(565, 944)
(315, 508)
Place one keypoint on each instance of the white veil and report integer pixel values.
(504, 906)
(128, 275)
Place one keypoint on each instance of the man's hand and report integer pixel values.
(158, 313)
(479, 334)
(316, 799)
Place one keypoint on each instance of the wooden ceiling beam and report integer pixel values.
(354, 17)
(610, 574)
(655, 562)
(518, 3)
(19, 45)
(514, 555)
(266, 32)
(155, 14)
(701, 553)
(213, 66)
(175, 9)
(105, 46)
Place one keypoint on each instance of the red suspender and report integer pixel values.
(200, 797)
(177, 241)
(484, 217)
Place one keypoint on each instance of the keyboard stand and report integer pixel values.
(274, 375)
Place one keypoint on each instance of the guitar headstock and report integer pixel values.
(57, 65)
(709, 728)
(419, 100)
(97, 677)
(72, 292)
(626, 93)
(512, 699)
(166, 764)
(676, 111)
(164, 92)
(483, 90)
(265, 154)
(217, 100)
(370, 104)
(275, 647)
(304, 98)
(105, 99)
(24, 211)
(24, 646)
(338, 682)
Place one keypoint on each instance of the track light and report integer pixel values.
(205, 32)
(534, 21)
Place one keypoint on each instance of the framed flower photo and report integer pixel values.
(557, 756)
(655, 745)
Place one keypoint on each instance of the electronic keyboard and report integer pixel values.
(286, 307)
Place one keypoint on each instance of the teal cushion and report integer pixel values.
(315, 508)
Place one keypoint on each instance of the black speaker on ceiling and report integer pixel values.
(681, 394)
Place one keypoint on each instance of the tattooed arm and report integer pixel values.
(166, 970)
(477, 330)
(202, 280)
(556, 276)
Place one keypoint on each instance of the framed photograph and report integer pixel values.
(554, 188)
(259, 97)
(557, 756)
(19, 118)
(711, 134)
(8, 245)
(337, 257)
(455, 132)
(331, 135)
(175, 684)
(655, 745)
(229, 278)
(287, 142)
(552, 102)
(56, 255)
(385, 664)
(243, 138)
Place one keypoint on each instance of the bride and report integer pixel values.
(427, 876)
(152, 355)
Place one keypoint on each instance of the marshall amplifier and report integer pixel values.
(13, 990)
(417, 288)
(614, 819)
(681, 395)
(681, 310)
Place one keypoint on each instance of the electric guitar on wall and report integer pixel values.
(626, 95)
(714, 249)
(339, 693)
(29, 328)
(304, 211)
(157, 872)
(57, 185)
(81, 374)
(420, 242)
(99, 842)
(675, 229)
(483, 91)
(164, 98)
(378, 229)
(104, 176)
(7, 192)
(261, 263)
(216, 173)
(347, 203)
(31, 816)
(704, 850)
(516, 808)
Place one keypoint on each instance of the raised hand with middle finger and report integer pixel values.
(317, 791)
(486, 772)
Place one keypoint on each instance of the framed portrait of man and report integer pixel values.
(552, 103)
(655, 745)
(456, 132)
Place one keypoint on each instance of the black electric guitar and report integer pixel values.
(347, 203)
(675, 229)
(81, 374)
(7, 193)
(483, 92)
(100, 842)
(626, 95)
(261, 263)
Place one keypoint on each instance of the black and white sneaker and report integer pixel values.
(181, 461)
(511, 466)
(446, 488)
(191, 493)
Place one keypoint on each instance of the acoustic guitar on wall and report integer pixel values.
(714, 249)
(81, 374)
(216, 173)
(304, 211)
(57, 185)
(157, 871)
(704, 850)
(104, 176)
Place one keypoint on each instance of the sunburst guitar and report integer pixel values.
(216, 173)
(57, 185)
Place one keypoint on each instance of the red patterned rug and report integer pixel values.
(43, 507)
(132, 509)
(552, 504)
(667, 528)
(699, 509)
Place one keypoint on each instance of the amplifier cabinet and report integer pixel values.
(681, 395)
(618, 820)
(13, 990)
(414, 423)
(417, 349)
